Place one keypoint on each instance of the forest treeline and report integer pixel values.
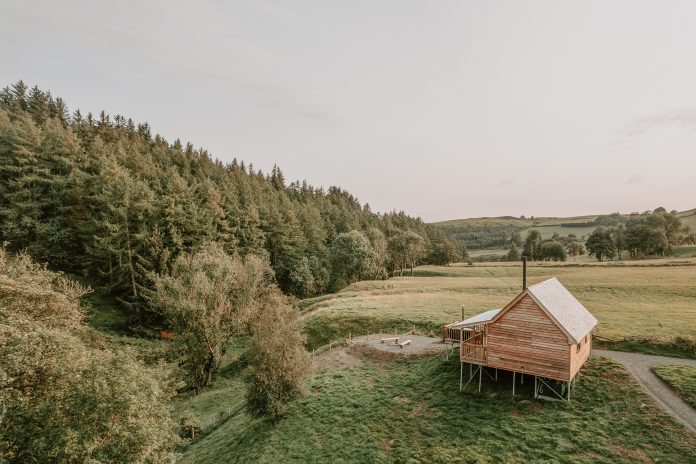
(484, 235)
(649, 233)
(104, 197)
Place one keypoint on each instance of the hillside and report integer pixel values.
(493, 233)
(381, 410)
(107, 198)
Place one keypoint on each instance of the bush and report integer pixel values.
(61, 400)
(277, 359)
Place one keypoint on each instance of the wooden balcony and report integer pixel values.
(474, 350)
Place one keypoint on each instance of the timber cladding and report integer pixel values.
(524, 339)
(545, 331)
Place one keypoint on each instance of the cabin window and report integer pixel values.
(577, 348)
(585, 338)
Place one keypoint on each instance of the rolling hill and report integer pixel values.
(493, 233)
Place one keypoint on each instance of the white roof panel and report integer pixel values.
(561, 305)
(485, 316)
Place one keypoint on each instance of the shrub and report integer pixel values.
(277, 359)
(62, 400)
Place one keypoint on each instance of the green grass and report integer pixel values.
(651, 301)
(410, 410)
(681, 379)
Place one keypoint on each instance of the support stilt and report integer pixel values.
(461, 375)
(496, 374)
(513, 383)
(480, 375)
(569, 390)
(535, 386)
(522, 382)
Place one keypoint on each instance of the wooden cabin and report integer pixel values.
(544, 332)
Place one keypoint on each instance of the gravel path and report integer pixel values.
(639, 365)
(418, 345)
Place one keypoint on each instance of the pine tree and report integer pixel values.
(21, 181)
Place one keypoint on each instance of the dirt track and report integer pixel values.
(639, 365)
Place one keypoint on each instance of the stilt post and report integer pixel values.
(513, 383)
(461, 374)
(569, 390)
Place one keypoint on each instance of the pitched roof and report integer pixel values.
(566, 311)
(481, 318)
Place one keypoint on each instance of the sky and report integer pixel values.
(443, 109)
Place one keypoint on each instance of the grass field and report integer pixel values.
(653, 300)
(681, 379)
(410, 410)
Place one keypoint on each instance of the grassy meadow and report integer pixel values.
(653, 300)
(410, 410)
(681, 379)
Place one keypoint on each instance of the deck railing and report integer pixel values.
(473, 349)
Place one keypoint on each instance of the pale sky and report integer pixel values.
(443, 109)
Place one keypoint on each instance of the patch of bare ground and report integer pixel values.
(416, 411)
(338, 358)
(418, 346)
(636, 455)
(526, 408)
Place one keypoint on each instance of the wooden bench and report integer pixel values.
(404, 343)
(390, 339)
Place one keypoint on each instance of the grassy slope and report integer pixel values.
(646, 300)
(393, 412)
(681, 379)
(411, 411)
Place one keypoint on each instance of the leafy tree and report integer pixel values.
(575, 248)
(277, 359)
(405, 249)
(415, 248)
(532, 245)
(443, 250)
(302, 281)
(207, 298)
(379, 245)
(352, 258)
(513, 253)
(618, 237)
(552, 250)
(600, 244)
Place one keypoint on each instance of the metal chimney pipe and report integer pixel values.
(524, 273)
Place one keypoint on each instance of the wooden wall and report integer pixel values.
(578, 358)
(526, 340)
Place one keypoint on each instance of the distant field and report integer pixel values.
(546, 226)
(547, 231)
(655, 298)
